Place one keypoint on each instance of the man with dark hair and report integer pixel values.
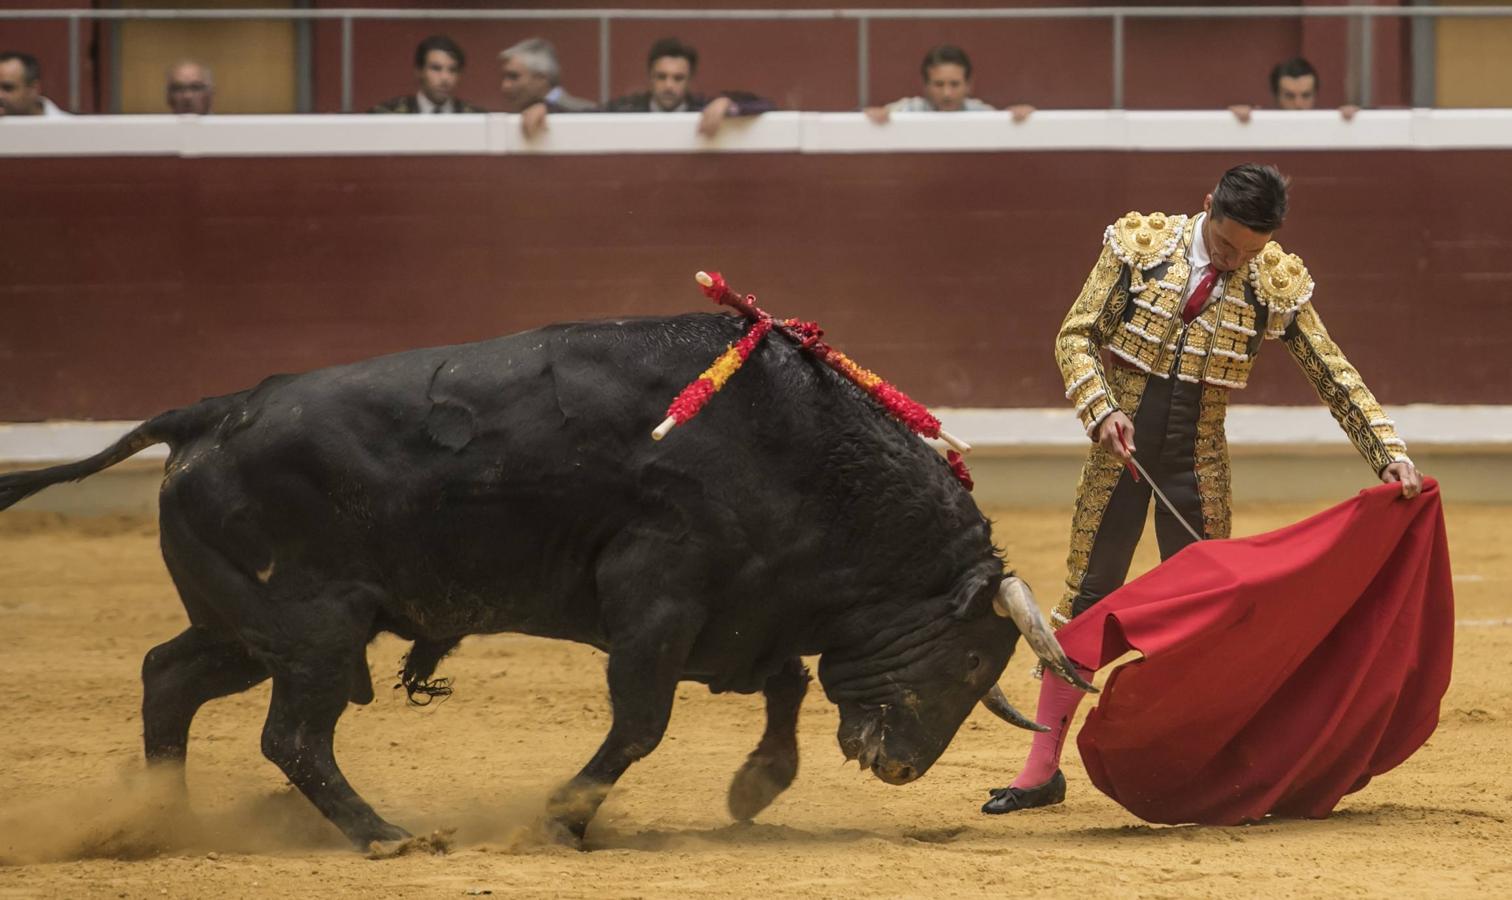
(1293, 85)
(1181, 304)
(670, 68)
(438, 71)
(530, 78)
(21, 87)
(947, 88)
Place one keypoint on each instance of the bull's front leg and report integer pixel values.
(646, 662)
(773, 765)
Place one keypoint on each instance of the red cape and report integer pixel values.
(1280, 672)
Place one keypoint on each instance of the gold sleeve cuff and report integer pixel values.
(1341, 388)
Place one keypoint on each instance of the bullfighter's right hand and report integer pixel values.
(1109, 431)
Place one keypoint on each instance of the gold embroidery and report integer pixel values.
(1099, 477)
(1230, 323)
(1084, 332)
(1145, 242)
(1145, 340)
(1343, 391)
(1223, 334)
(1212, 462)
(1282, 283)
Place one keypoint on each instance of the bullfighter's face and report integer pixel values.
(905, 694)
(1230, 245)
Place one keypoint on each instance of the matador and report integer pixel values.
(1181, 304)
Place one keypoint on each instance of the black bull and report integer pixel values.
(512, 486)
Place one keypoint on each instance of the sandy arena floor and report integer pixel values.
(81, 601)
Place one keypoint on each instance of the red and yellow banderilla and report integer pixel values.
(808, 336)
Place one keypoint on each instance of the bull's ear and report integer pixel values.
(973, 592)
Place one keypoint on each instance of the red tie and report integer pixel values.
(1200, 295)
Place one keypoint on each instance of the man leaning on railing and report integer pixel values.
(1293, 85)
(530, 79)
(670, 68)
(947, 88)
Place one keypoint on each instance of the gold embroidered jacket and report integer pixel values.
(1131, 306)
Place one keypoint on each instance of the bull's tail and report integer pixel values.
(172, 427)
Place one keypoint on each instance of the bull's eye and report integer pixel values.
(973, 662)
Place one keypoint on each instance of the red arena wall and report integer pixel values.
(134, 284)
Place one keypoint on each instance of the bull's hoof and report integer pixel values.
(437, 842)
(571, 808)
(563, 832)
(758, 782)
(377, 834)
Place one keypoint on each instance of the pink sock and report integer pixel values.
(1057, 706)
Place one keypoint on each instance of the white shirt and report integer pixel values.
(426, 106)
(50, 110)
(1197, 257)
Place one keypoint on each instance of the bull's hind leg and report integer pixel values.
(313, 670)
(773, 765)
(180, 676)
(645, 666)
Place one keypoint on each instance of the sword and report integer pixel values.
(1156, 488)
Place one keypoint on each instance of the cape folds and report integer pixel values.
(1279, 672)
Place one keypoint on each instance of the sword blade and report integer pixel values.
(1166, 500)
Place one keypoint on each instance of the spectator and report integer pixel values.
(947, 88)
(670, 68)
(438, 70)
(530, 79)
(191, 88)
(21, 87)
(1294, 85)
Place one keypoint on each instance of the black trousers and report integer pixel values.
(1165, 438)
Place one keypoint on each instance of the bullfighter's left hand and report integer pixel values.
(1407, 475)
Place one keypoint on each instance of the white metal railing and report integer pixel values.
(1117, 16)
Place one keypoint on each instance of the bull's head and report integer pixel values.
(903, 696)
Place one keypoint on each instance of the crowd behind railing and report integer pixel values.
(530, 84)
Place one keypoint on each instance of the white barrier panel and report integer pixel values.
(1444, 129)
(334, 136)
(92, 136)
(1423, 425)
(963, 131)
(1272, 130)
(777, 132)
(1420, 424)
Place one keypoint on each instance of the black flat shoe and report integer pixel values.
(1009, 799)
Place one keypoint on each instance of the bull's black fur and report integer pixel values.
(417, 667)
(512, 485)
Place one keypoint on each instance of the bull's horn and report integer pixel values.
(1015, 601)
(999, 706)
